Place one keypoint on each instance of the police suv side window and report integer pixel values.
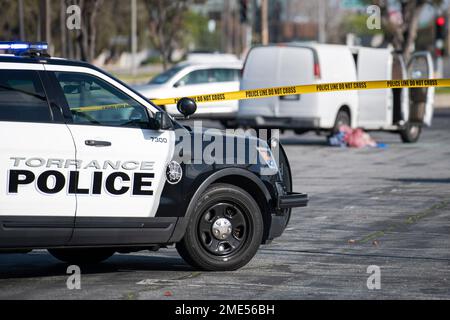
(93, 101)
(22, 97)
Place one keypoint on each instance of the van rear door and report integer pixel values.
(401, 96)
(260, 71)
(297, 67)
(277, 66)
(420, 66)
(375, 106)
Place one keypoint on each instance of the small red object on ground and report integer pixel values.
(168, 294)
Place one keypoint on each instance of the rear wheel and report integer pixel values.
(82, 256)
(342, 118)
(411, 133)
(225, 230)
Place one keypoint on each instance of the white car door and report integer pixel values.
(35, 207)
(420, 66)
(121, 163)
(375, 106)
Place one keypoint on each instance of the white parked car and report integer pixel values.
(194, 78)
(404, 111)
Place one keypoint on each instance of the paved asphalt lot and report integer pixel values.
(389, 208)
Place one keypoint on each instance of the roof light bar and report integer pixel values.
(23, 46)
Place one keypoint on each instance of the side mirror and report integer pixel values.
(180, 83)
(187, 107)
(163, 121)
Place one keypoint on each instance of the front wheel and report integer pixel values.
(411, 133)
(225, 230)
(82, 256)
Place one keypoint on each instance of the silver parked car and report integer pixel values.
(194, 78)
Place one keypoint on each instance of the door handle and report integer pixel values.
(95, 143)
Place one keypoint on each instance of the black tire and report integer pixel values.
(301, 131)
(286, 173)
(411, 133)
(202, 249)
(342, 118)
(225, 123)
(229, 124)
(82, 256)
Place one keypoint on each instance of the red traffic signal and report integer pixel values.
(441, 26)
(440, 21)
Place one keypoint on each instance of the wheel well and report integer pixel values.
(257, 194)
(346, 109)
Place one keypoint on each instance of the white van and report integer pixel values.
(404, 111)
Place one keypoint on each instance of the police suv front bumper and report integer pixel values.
(285, 202)
(293, 200)
(289, 200)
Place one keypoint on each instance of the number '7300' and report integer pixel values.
(158, 140)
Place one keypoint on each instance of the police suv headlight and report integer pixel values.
(266, 155)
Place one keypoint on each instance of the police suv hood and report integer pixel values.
(239, 135)
(230, 147)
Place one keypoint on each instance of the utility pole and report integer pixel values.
(227, 36)
(134, 44)
(322, 21)
(21, 21)
(265, 22)
(45, 20)
(62, 24)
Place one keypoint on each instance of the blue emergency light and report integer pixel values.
(24, 47)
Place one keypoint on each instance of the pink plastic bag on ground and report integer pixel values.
(357, 138)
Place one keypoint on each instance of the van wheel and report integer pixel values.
(411, 133)
(300, 131)
(229, 124)
(81, 256)
(225, 230)
(343, 118)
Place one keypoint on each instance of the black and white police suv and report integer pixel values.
(89, 167)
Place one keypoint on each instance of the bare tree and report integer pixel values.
(166, 25)
(87, 36)
(8, 10)
(403, 36)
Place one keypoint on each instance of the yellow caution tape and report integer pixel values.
(288, 91)
(305, 89)
(100, 108)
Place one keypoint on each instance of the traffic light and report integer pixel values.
(441, 33)
(244, 11)
(441, 24)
